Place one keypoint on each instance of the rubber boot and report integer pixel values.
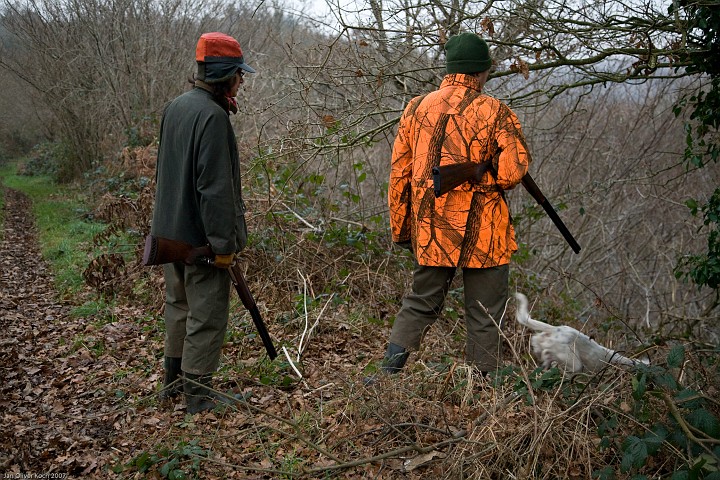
(172, 384)
(198, 394)
(394, 361)
(395, 358)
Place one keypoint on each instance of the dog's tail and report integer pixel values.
(522, 315)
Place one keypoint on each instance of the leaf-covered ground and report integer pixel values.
(55, 414)
(79, 394)
(79, 391)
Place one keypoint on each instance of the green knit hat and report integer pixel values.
(467, 53)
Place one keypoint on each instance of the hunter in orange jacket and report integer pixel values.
(469, 226)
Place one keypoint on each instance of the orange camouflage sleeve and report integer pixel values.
(400, 185)
(514, 157)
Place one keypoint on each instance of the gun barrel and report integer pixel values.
(448, 177)
(249, 303)
(535, 192)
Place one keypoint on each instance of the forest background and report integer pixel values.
(619, 104)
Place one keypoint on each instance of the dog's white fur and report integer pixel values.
(565, 346)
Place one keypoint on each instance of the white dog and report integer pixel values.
(566, 347)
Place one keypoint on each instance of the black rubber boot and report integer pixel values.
(198, 394)
(394, 361)
(395, 358)
(172, 385)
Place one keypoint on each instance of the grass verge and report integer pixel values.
(63, 226)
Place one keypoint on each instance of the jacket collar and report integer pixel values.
(204, 86)
(229, 104)
(461, 80)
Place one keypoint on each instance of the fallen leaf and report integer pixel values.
(420, 460)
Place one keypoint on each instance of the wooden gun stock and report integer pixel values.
(160, 250)
(448, 177)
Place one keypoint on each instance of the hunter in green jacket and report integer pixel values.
(198, 201)
(198, 198)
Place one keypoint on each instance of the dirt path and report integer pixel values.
(43, 408)
(78, 391)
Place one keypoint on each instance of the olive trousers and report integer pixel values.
(197, 305)
(486, 293)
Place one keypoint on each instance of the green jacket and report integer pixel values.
(198, 198)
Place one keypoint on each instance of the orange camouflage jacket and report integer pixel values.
(471, 225)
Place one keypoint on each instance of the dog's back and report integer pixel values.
(565, 346)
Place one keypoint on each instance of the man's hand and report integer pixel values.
(224, 261)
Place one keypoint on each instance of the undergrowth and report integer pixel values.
(329, 297)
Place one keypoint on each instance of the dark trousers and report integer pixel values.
(486, 293)
(197, 305)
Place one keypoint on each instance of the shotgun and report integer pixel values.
(448, 177)
(160, 250)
